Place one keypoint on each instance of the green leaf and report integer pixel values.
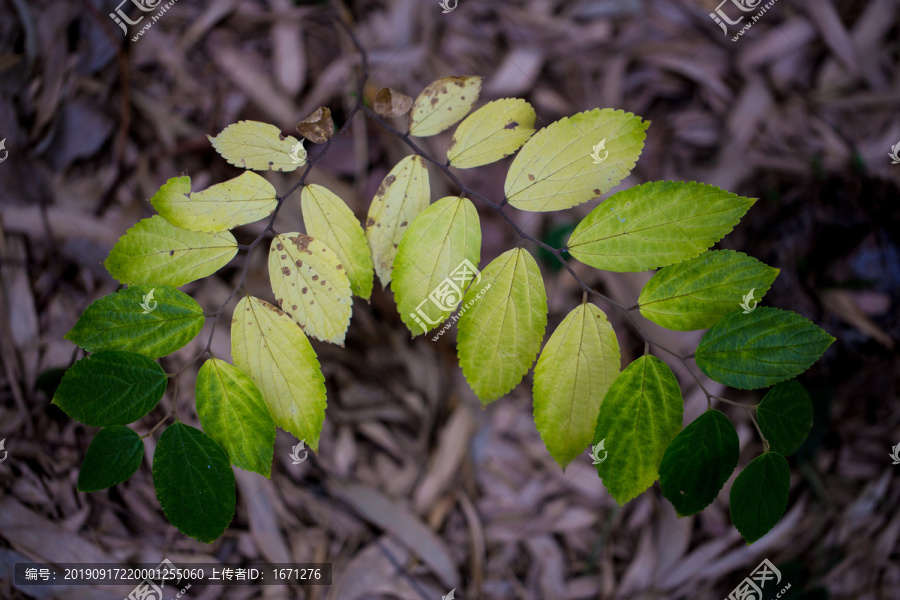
(696, 293)
(638, 419)
(573, 374)
(785, 417)
(153, 320)
(114, 455)
(155, 251)
(429, 271)
(311, 286)
(330, 220)
(656, 224)
(402, 195)
(555, 170)
(259, 147)
(233, 413)
(698, 462)
(759, 495)
(442, 103)
(760, 349)
(244, 199)
(274, 352)
(194, 482)
(494, 131)
(501, 324)
(111, 388)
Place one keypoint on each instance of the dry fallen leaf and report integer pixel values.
(391, 103)
(317, 127)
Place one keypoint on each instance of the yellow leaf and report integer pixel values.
(274, 353)
(330, 220)
(494, 131)
(403, 194)
(442, 103)
(244, 199)
(259, 147)
(310, 285)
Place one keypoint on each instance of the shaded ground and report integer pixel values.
(800, 113)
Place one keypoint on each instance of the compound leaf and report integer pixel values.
(233, 413)
(494, 131)
(153, 320)
(696, 293)
(330, 220)
(442, 103)
(698, 462)
(311, 286)
(555, 170)
(402, 195)
(639, 417)
(785, 417)
(501, 324)
(274, 352)
(110, 388)
(430, 269)
(114, 455)
(655, 224)
(259, 147)
(573, 374)
(155, 251)
(759, 495)
(244, 199)
(194, 482)
(767, 346)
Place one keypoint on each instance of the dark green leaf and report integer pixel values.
(759, 495)
(114, 455)
(194, 482)
(111, 388)
(760, 349)
(698, 462)
(151, 319)
(785, 417)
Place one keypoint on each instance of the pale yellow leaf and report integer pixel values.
(259, 147)
(442, 104)
(494, 131)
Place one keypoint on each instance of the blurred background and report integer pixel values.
(416, 489)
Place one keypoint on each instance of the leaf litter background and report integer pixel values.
(416, 489)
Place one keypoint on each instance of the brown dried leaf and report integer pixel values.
(317, 127)
(391, 103)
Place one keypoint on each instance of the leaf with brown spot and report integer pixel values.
(494, 131)
(443, 103)
(327, 315)
(317, 127)
(391, 103)
(259, 147)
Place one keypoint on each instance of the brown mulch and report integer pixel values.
(416, 489)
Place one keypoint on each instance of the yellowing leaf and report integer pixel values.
(501, 324)
(155, 251)
(494, 131)
(244, 199)
(576, 368)
(272, 350)
(555, 170)
(442, 103)
(259, 147)
(310, 285)
(330, 220)
(403, 194)
(430, 272)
